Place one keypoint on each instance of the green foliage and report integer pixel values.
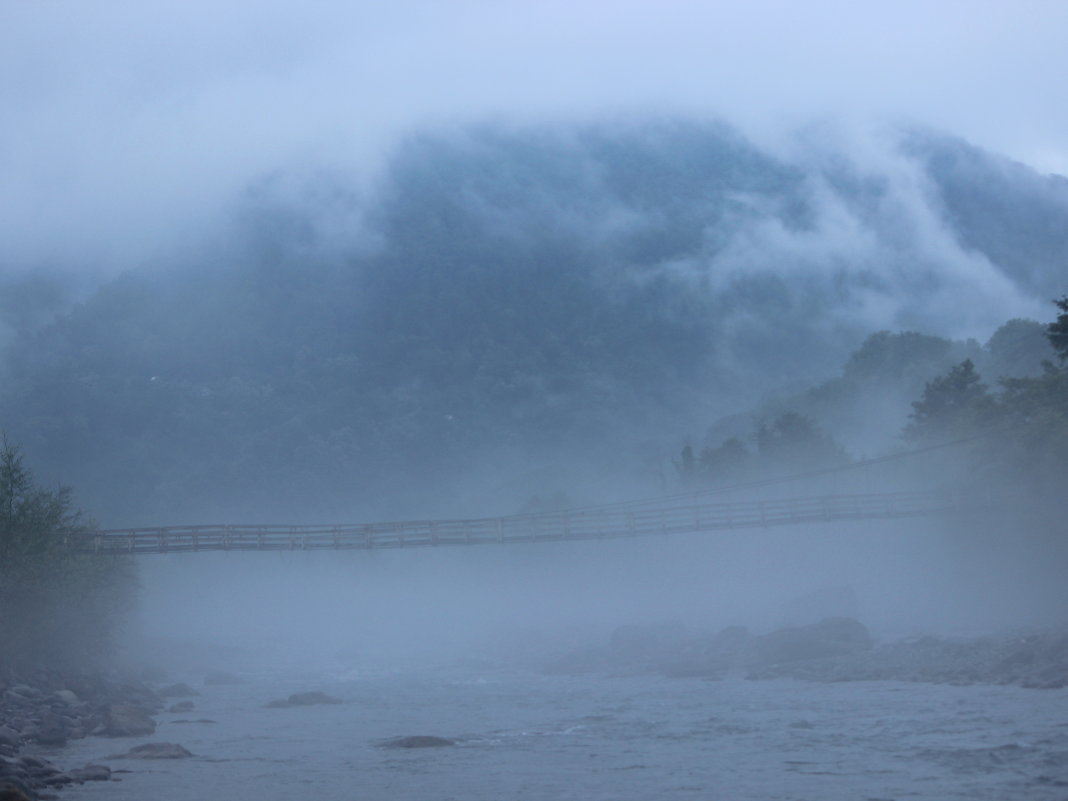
(895, 356)
(1032, 446)
(1016, 350)
(1058, 330)
(952, 405)
(789, 443)
(57, 607)
(731, 460)
(795, 442)
(1020, 431)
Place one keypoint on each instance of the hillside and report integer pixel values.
(506, 312)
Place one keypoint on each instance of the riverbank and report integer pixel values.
(834, 650)
(44, 710)
(628, 738)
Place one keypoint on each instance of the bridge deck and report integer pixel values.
(587, 524)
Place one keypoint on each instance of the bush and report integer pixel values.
(58, 608)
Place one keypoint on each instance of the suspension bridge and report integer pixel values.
(694, 512)
(587, 524)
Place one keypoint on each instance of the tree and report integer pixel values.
(1057, 331)
(687, 466)
(58, 607)
(795, 442)
(728, 462)
(951, 404)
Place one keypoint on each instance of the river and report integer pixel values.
(522, 734)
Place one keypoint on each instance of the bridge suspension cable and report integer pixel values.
(608, 523)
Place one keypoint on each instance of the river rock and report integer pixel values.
(304, 699)
(307, 699)
(52, 730)
(418, 741)
(91, 773)
(13, 789)
(833, 637)
(9, 737)
(155, 751)
(67, 697)
(125, 720)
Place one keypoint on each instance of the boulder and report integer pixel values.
(52, 730)
(303, 699)
(125, 720)
(154, 751)
(91, 773)
(418, 741)
(13, 789)
(308, 699)
(138, 694)
(67, 697)
(9, 737)
(832, 637)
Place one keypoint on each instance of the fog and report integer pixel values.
(130, 126)
(527, 604)
(345, 264)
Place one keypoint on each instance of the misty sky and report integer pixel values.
(130, 125)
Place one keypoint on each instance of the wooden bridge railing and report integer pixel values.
(586, 524)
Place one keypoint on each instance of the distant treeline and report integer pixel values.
(1014, 432)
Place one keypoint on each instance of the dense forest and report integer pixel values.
(506, 313)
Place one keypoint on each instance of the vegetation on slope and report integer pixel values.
(58, 608)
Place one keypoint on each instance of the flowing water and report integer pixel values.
(526, 735)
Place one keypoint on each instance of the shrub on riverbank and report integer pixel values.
(58, 608)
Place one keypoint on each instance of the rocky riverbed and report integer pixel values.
(835, 649)
(45, 710)
(49, 709)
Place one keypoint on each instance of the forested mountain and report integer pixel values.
(503, 312)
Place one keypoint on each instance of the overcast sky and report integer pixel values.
(127, 124)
